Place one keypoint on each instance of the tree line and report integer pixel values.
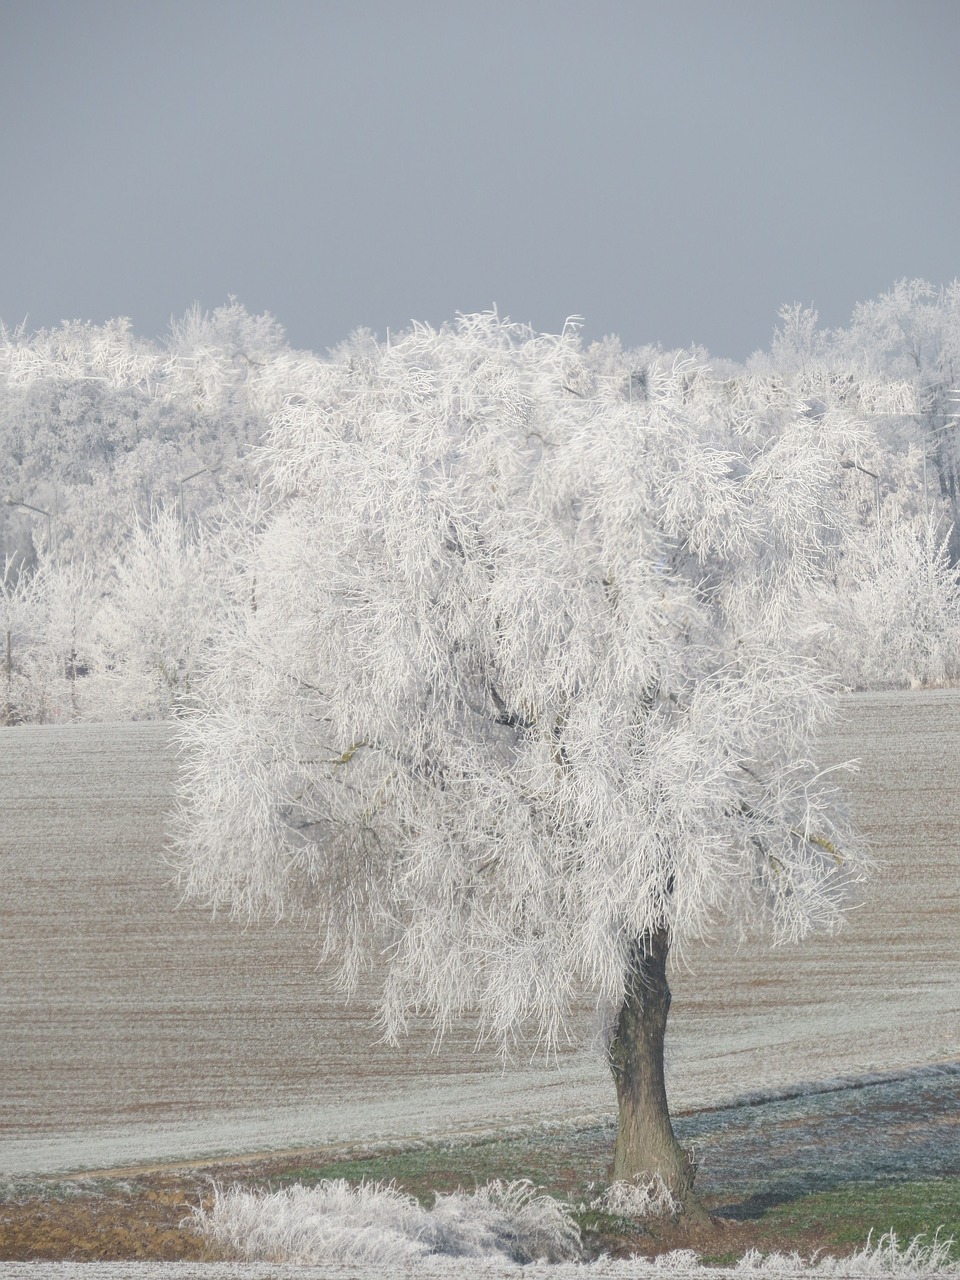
(131, 468)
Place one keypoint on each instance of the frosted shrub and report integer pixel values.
(378, 1224)
(643, 1197)
(333, 1222)
(885, 1258)
(508, 1218)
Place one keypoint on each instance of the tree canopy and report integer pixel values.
(517, 690)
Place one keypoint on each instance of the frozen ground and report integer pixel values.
(877, 1263)
(448, 1269)
(134, 1031)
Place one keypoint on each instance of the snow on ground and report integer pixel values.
(135, 1031)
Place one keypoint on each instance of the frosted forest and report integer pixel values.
(132, 486)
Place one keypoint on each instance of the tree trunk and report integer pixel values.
(645, 1143)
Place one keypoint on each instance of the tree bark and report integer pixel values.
(646, 1144)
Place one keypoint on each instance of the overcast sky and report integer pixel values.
(673, 171)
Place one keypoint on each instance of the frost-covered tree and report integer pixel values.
(891, 618)
(123, 641)
(903, 346)
(912, 333)
(50, 645)
(99, 427)
(510, 692)
(100, 432)
(161, 606)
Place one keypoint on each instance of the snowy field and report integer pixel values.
(134, 1031)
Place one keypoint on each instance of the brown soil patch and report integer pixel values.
(137, 1220)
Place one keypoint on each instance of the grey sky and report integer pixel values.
(672, 171)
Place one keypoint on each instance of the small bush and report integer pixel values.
(377, 1223)
(642, 1198)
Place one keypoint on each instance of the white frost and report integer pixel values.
(376, 1223)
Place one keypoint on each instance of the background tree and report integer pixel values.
(98, 426)
(905, 341)
(97, 430)
(48, 621)
(118, 641)
(160, 608)
(512, 695)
